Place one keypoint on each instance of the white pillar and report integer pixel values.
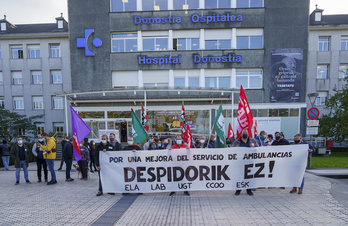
(66, 116)
(234, 38)
(170, 40)
(170, 4)
(201, 78)
(171, 78)
(140, 41)
(201, 39)
(140, 79)
(139, 5)
(233, 4)
(201, 4)
(232, 103)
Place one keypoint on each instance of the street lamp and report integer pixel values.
(312, 98)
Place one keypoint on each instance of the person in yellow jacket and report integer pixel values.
(49, 155)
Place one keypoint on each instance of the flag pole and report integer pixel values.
(66, 116)
(95, 135)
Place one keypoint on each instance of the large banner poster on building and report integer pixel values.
(202, 169)
(286, 75)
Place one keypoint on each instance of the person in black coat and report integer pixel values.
(279, 140)
(5, 150)
(92, 156)
(66, 140)
(68, 151)
(131, 145)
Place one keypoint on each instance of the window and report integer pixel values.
(343, 71)
(322, 71)
(154, 5)
(56, 77)
(344, 44)
(321, 98)
(36, 77)
(127, 42)
(249, 42)
(186, 4)
(18, 103)
(251, 79)
(179, 82)
(2, 102)
(123, 5)
(193, 82)
(155, 43)
(55, 50)
(1, 79)
(37, 102)
(57, 102)
(186, 43)
(217, 82)
(40, 128)
(17, 52)
(249, 3)
(3, 27)
(21, 132)
(217, 4)
(34, 51)
(158, 78)
(17, 77)
(324, 43)
(58, 127)
(218, 44)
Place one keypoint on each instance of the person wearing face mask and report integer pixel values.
(298, 140)
(279, 140)
(91, 155)
(229, 142)
(168, 142)
(270, 139)
(260, 139)
(160, 144)
(103, 146)
(203, 143)
(131, 145)
(212, 140)
(20, 154)
(40, 161)
(153, 146)
(84, 158)
(68, 152)
(196, 143)
(114, 142)
(245, 141)
(151, 139)
(49, 148)
(66, 140)
(179, 144)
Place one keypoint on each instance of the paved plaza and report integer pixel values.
(75, 203)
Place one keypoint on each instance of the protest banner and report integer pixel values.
(203, 169)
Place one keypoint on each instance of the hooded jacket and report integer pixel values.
(50, 145)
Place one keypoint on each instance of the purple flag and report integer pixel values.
(79, 130)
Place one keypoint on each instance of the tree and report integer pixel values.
(335, 124)
(13, 125)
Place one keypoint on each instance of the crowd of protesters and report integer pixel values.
(45, 152)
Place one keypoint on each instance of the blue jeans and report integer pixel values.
(50, 164)
(6, 161)
(302, 184)
(18, 170)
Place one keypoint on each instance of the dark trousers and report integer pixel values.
(248, 190)
(41, 163)
(83, 168)
(100, 184)
(68, 163)
(61, 163)
(92, 163)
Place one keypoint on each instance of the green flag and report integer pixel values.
(219, 126)
(138, 132)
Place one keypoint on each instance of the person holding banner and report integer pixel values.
(203, 143)
(298, 140)
(279, 140)
(179, 144)
(260, 139)
(114, 142)
(103, 146)
(146, 145)
(245, 141)
(131, 145)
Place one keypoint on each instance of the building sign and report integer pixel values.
(286, 75)
(230, 58)
(196, 18)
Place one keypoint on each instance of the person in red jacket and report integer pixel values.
(179, 144)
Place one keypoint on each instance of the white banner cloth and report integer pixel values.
(203, 169)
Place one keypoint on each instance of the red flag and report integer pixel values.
(245, 117)
(144, 120)
(230, 131)
(183, 120)
(255, 129)
(188, 136)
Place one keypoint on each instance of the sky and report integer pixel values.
(45, 11)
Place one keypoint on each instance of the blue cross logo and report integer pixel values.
(82, 42)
